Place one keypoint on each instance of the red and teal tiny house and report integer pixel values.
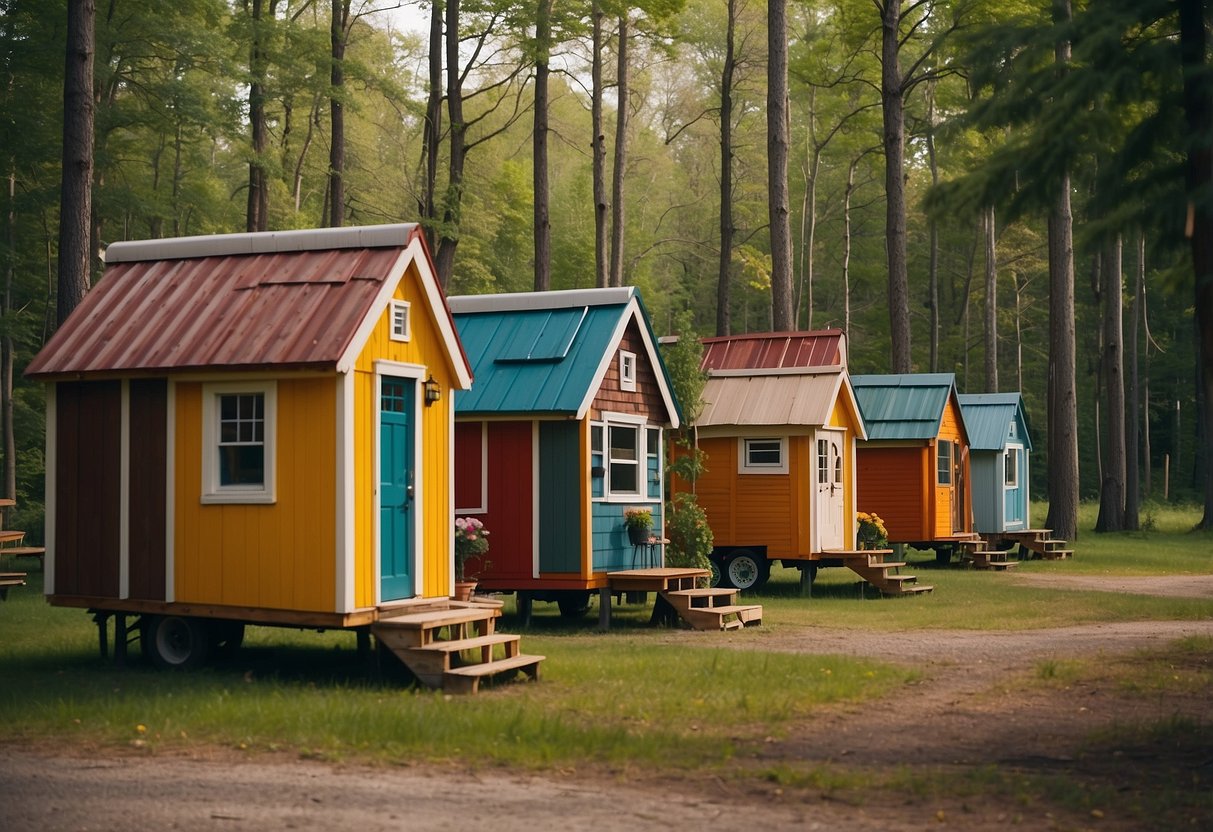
(914, 469)
(562, 432)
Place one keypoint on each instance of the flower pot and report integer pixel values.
(464, 590)
(639, 535)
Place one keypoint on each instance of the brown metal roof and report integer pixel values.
(804, 399)
(199, 303)
(775, 351)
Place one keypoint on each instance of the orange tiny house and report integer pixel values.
(914, 465)
(778, 432)
(253, 428)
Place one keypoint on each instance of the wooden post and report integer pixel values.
(604, 608)
(1166, 477)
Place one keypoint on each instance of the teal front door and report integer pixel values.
(396, 488)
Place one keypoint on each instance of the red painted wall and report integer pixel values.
(509, 517)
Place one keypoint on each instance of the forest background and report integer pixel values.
(572, 143)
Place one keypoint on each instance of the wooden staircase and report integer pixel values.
(455, 646)
(976, 551)
(680, 599)
(872, 565)
(1040, 542)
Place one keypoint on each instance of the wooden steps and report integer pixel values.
(1040, 542)
(885, 575)
(454, 648)
(713, 608)
(975, 551)
(10, 579)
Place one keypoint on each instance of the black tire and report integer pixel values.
(574, 603)
(717, 576)
(225, 637)
(174, 642)
(746, 570)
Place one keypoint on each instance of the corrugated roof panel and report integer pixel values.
(548, 335)
(157, 315)
(902, 406)
(774, 351)
(801, 399)
(988, 417)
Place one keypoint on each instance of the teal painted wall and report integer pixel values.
(559, 497)
(612, 549)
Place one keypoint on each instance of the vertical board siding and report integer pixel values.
(148, 473)
(510, 505)
(891, 484)
(646, 399)
(717, 485)
(88, 488)
(560, 504)
(469, 461)
(987, 491)
(434, 478)
(278, 556)
(951, 428)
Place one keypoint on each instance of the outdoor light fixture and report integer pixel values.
(432, 391)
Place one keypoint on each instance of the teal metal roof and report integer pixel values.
(908, 406)
(546, 352)
(988, 417)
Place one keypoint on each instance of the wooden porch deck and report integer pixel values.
(679, 598)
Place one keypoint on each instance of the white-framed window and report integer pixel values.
(625, 455)
(627, 370)
(239, 425)
(623, 460)
(399, 312)
(653, 458)
(944, 462)
(1010, 473)
(762, 455)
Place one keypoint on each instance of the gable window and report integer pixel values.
(627, 371)
(1010, 476)
(399, 311)
(944, 462)
(763, 456)
(238, 426)
(623, 459)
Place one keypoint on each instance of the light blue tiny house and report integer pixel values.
(999, 449)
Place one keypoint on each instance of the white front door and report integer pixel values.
(828, 473)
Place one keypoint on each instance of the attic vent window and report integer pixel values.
(627, 371)
(400, 320)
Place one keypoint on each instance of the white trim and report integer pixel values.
(483, 506)
(52, 459)
(400, 307)
(170, 493)
(535, 499)
(1008, 449)
(828, 433)
(521, 301)
(745, 467)
(124, 491)
(344, 543)
(263, 242)
(627, 371)
(212, 493)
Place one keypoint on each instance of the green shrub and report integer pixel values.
(690, 536)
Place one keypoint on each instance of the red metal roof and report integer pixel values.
(775, 351)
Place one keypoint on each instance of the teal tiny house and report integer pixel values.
(561, 434)
(999, 446)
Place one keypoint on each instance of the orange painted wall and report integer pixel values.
(280, 556)
(435, 477)
(893, 483)
(950, 428)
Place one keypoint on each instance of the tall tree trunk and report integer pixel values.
(991, 311)
(6, 345)
(1198, 111)
(846, 246)
(724, 269)
(1112, 488)
(933, 233)
(448, 235)
(1062, 392)
(808, 216)
(601, 208)
(778, 200)
(431, 136)
(1019, 289)
(893, 109)
(337, 35)
(621, 147)
(543, 225)
(76, 192)
(257, 212)
(1132, 404)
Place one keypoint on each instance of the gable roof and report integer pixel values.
(548, 352)
(773, 351)
(298, 299)
(906, 406)
(987, 416)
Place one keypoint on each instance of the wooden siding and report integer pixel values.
(844, 416)
(469, 466)
(88, 488)
(950, 428)
(893, 483)
(434, 477)
(278, 556)
(560, 498)
(646, 399)
(612, 547)
(509, 518)
(148, 479)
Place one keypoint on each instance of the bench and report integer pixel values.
(8, 579)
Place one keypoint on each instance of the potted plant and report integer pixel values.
(639, 523)
(471, 541)
(872, 533)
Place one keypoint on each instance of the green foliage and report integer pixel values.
(690, 536)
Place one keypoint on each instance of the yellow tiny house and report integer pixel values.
(254, 428)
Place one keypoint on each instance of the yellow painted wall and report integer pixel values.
(949, 428)
(280, 556)
(434, 475)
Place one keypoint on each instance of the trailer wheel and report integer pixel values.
(174, 642)
(716, 578)
(573, 603)
(225, 637)
(745, 570)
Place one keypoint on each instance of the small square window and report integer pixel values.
(944, 468)
(627, 371)
(399, 311)
(1011, 468)
(763, 456)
